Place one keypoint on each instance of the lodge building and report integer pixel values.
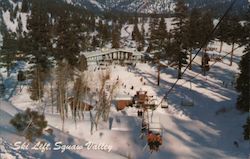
(113, 55)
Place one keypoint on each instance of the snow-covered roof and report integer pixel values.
(108, 51)
(123, 97)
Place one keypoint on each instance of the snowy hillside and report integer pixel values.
(142, 6)
(13, 23)
(206, 130)
(153, 6)
(78, 69)
(15, 20)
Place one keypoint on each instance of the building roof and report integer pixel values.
(123, 97)
(108, 51)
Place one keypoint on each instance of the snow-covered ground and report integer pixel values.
(206, 130)
(127, 29)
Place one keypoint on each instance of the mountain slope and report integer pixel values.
(8, 7)
(155, 6)
(206, 130)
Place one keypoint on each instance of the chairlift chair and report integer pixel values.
(154, 133)
(164, 103)
(154, 136)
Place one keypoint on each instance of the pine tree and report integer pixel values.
(15, 11)
(194, 31)
(92, 23)
(82, 63)
(162, 39)
(19, 28)
(243, 82)
(221, 33)
(94, 43)
(99, 34)
(38, 47)
(194, 28)
(153, 24)
(245, 39)
(81, 32)
(246, 128)
(180, 42)
(116, 33)
(138, 37)
(142, 35)
(105, 34)
(206, 26)
(162, 30)
(233, 33)
(30, 123)
(180, 23)
(8, 51)
(25, 6)
(153, 27)
(135, 33)
(67, 42)
(99, 26)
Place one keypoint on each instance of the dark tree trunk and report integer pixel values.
(190, 59)
(203, 63)
(159, 72)
(179, 69)
(231, 58)
(8, 70)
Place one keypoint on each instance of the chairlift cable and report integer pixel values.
(203, 44)
(191, 78)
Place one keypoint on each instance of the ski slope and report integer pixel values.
(206, 130)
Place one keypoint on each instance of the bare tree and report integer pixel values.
(52, 95)
(63, 76)
(50, 89)
(105, 97)
(80, 91)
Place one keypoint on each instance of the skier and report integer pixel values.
(150, 139)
